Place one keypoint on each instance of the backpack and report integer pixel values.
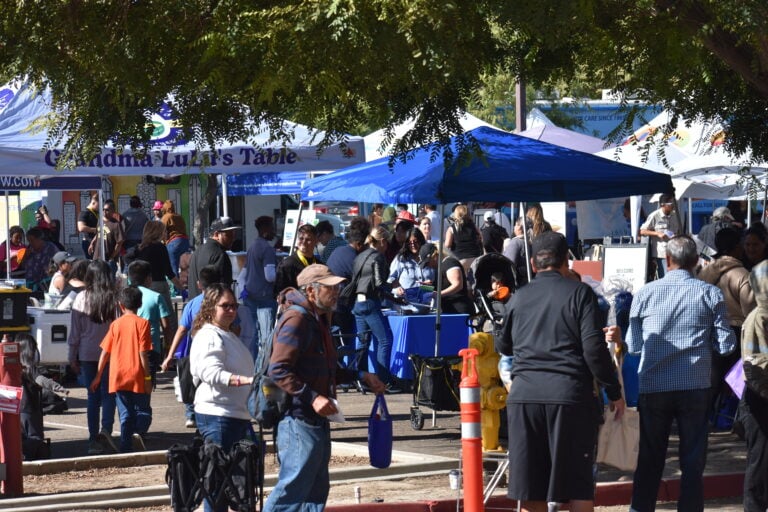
(267, 402)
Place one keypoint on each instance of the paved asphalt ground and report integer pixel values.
(68, 433)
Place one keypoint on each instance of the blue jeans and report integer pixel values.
(102, 401)
(657, 410)
(263, 313)
(224, 432)
(370, 320)
(176, 248)
(303, 481)
(135, 416)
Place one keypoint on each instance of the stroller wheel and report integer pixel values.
(417, 418)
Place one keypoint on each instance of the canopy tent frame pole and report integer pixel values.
(525, 242)
(7, 238)
(438, 290)
(690, 216)
(102, 242)
(224, 194)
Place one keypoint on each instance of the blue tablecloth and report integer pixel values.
(415, 334)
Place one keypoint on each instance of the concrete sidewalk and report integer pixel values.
(68, 434)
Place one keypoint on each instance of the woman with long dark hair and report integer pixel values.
(405, 272)
(92, 311)
(223, 366)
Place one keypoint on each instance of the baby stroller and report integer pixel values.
(491, 312)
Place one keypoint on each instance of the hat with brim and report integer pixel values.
(158, 205)
(223, 224)
(62, 256)
(317, 273)
(426, 252)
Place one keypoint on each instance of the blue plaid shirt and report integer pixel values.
(675, 324)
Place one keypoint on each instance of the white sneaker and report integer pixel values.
(190, 423)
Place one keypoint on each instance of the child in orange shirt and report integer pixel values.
(126, 346)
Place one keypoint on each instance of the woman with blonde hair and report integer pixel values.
(462, 239)
(370, 270)
(177, 240)
(153, 251)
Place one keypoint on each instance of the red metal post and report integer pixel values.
(10, 424)
(471, 436)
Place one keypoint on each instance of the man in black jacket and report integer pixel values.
(213, 252)
(553, 327)
(493, 234)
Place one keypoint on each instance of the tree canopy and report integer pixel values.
(338, 65)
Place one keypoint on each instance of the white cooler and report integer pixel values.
(50, 327)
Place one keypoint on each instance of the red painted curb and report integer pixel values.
(724, 485)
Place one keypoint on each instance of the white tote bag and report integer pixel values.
(618, 442)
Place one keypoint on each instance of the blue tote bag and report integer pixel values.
(380, 434)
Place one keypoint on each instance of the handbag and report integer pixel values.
(618, 441)
(380, 434)
(186, 382)
(348, 294)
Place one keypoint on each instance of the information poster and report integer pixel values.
(628, 262)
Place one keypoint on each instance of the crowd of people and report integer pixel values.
(702, 315)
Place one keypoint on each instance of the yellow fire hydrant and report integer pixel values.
(493, 396)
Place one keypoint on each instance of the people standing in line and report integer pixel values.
(661, 225)
(727, 272)
(493, 235)
(372, 288)
(17, 247)
(176, 237)
(133, 222)
(406, 273)
(62, 263)
(554, 329)
(93, 310)
(157, 211)
(340, 264)
(154, 309)
(515, 250)
(462, 239)
(223, 367)
(37, 260)
(181, 344)
(113, 238)
(213, 252)
(152, 250)
(675, 324)
(455, 298)
(302, 257)
(88, 224)
(260, 274)
(753, 408)
(310, 377)
(755, 245)
(328, 238)
(126, 347)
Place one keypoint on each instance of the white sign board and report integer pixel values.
(628, 262)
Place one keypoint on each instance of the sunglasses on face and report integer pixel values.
(227, 306)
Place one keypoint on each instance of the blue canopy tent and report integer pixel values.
(510, 168)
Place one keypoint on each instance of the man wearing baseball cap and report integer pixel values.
(554, 329)
(213, 252)
(304, 365)
(63, 261)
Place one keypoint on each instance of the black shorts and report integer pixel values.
(551, 452)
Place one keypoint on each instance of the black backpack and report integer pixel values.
(267, 402)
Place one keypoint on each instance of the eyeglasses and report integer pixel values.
(227, 306)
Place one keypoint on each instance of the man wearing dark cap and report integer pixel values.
(303, 364)
(213, 252)
(554, 330)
